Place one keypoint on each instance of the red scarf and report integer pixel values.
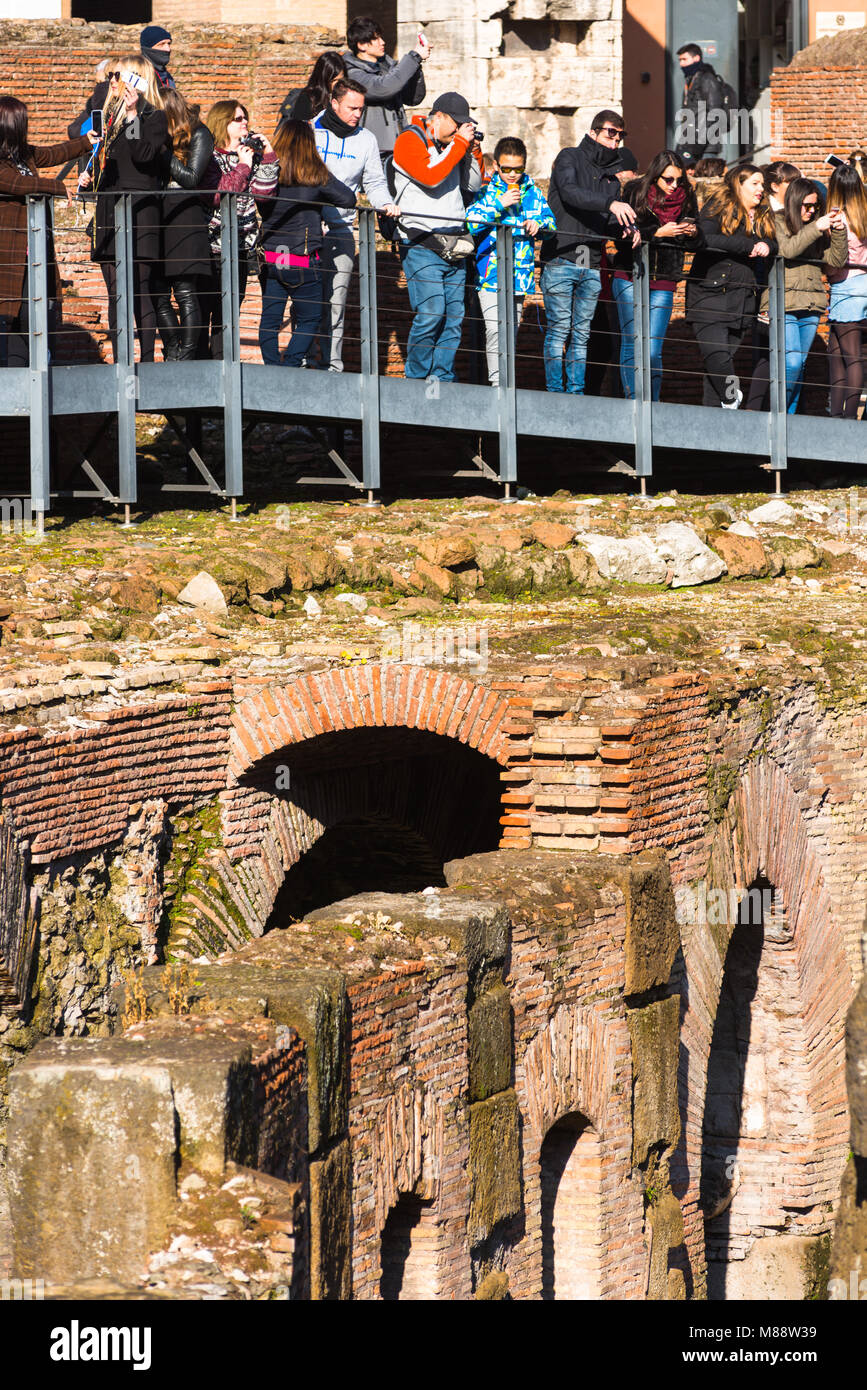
(666, 206)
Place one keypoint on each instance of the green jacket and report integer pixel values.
(805, 290)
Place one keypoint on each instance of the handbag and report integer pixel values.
(451, 247)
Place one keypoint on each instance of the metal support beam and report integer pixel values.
(40, 379)
(127, 379)
(507, 408)
(369, 381)
(643, 407)
(778, 420)
(231, 309)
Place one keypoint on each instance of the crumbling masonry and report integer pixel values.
(507, 1061)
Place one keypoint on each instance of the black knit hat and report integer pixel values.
(153, 34)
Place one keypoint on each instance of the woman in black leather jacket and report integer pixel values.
(722, 291)
(130, 159)
(186, 256)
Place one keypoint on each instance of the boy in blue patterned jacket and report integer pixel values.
(513, 199)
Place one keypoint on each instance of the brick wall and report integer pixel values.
(816, 113)
(51, 66)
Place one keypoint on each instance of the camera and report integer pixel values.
(254, 142)
(133, 80)
(480, 135)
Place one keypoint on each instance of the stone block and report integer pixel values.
(495, 1165)
(312, 1001)
(330, 1224)
(790, 1268)
(92, 1155)
(654, 1032)
(652, 936)
(489, 1026)
(856, 1069)
(666, 1234)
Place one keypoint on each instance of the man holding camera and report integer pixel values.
(350, 153)
(437, 170)
(390, 84)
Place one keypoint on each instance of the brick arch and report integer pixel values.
(264, 834)
(764, 835)
(579, 1065)
(365, 697)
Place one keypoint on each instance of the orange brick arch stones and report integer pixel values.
(391, 696)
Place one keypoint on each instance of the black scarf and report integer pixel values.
(331, 121)
(690, 70)
(157, 56)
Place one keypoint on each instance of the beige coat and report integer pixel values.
(805, 290)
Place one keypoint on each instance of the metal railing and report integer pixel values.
(231, 387)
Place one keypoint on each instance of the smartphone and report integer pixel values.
(837, 162)
(96, 122)
(133, 80)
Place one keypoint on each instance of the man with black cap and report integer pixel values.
(156, 46)
(435, 165)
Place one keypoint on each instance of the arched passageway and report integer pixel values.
(767, 1116)
(571, 1217)
(377, 810)
(410, 1251)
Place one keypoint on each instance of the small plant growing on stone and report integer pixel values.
(137, 1009)
(178, 985)
(249, 1217)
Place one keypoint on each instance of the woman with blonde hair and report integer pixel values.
(186, 256)
(737, 226)
(848, 307)
(131, 158)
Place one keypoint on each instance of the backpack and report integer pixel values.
(289, 104)
(388, 225)
(728, 97)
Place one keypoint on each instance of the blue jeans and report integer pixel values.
(660, 313)
(800, 331)
(570, 293)
(436, 293)
(304, 284)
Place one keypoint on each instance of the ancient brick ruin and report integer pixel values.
(477, 1007)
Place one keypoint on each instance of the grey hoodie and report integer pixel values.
(390, 85)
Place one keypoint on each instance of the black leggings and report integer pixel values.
(143, 308)
(211, 302)
(718, 342)
(845, 369)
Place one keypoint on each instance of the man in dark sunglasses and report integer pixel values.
(584, 196)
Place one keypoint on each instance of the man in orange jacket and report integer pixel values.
(436, 171)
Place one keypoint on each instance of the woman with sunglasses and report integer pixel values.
(238, 157)
(722, 290)
(848, 307)
(130, 159)
(666, 213)
(806, 235)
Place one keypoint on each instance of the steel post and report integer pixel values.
(507, 408)
(643, 406)
(778, 419)
(40, 378)
(127, 379)
(230, 292)
(369, 381)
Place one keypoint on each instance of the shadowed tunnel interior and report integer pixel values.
(381, 810)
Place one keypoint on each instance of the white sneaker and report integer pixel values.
(733, 405)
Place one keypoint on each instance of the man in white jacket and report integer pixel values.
(351, 153)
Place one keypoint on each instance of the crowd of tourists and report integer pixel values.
(440, 199)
